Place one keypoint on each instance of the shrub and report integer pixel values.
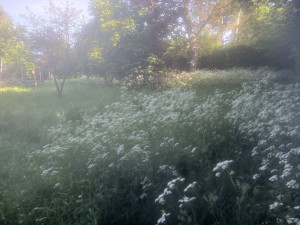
(246, 57)
(147, 75)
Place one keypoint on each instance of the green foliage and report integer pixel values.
(207, 44)
(113, 19)
(14, 48)
(25, 112)
(6, 30)
(177, 54)
(149, 74)
(124, 35)
(263, 24)
(18, 55)
(112, 22)
(235, 56)
(248, 57)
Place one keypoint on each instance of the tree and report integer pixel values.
(14, 49)
(18, 54)
(102, 36)
(272, 28)
(126, 36)
(53, 38)
(155, 24)
(6, 31)
(262, 23)
(200, 16)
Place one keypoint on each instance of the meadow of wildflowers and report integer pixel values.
(217, 149)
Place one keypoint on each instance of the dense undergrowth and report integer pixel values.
(217, 147)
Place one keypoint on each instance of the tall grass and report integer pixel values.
(25, 114)
(221, 150)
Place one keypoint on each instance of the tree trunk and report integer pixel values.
(238, 20)
(194, 53)
(107, 79)
(34, 77)
(59, 87)
(192, 38)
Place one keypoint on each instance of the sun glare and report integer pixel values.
(14, 89)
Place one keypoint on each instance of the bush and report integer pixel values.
(149, 74)
(246, 57)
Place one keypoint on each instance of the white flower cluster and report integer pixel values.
(190, 186)
(185, 200)
(222, 165)
(269, 111)
(292, 220)
(163, 218)
(275, 205)
(264, 111)
(168, 191)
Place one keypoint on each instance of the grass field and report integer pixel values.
(219, 147)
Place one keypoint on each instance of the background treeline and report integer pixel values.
(129, 39)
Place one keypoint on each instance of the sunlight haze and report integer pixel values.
(16, 8)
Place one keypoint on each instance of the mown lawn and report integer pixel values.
(219, 147)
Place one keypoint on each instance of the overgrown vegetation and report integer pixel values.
(145, 142)
(216, 147)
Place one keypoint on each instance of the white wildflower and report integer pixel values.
(163, 218)
(287, 170)
(90, 166)
(222, 165)
(143, 195)
(56, 185)
(255, 177)
(292, 184)
(137, 148)
(295, 151)
(163, 167)
(186, 199)
(194, 149)
(293, 221)
(120, 149)
(172, 183)
(273, 178)
(190, 186)
(275, 205)
(254, 151)
(279, 197)
(262, 168)
(160, 198)
(46, 171)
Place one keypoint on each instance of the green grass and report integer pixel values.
(25, 114)
(208, 148)
(25, 110)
